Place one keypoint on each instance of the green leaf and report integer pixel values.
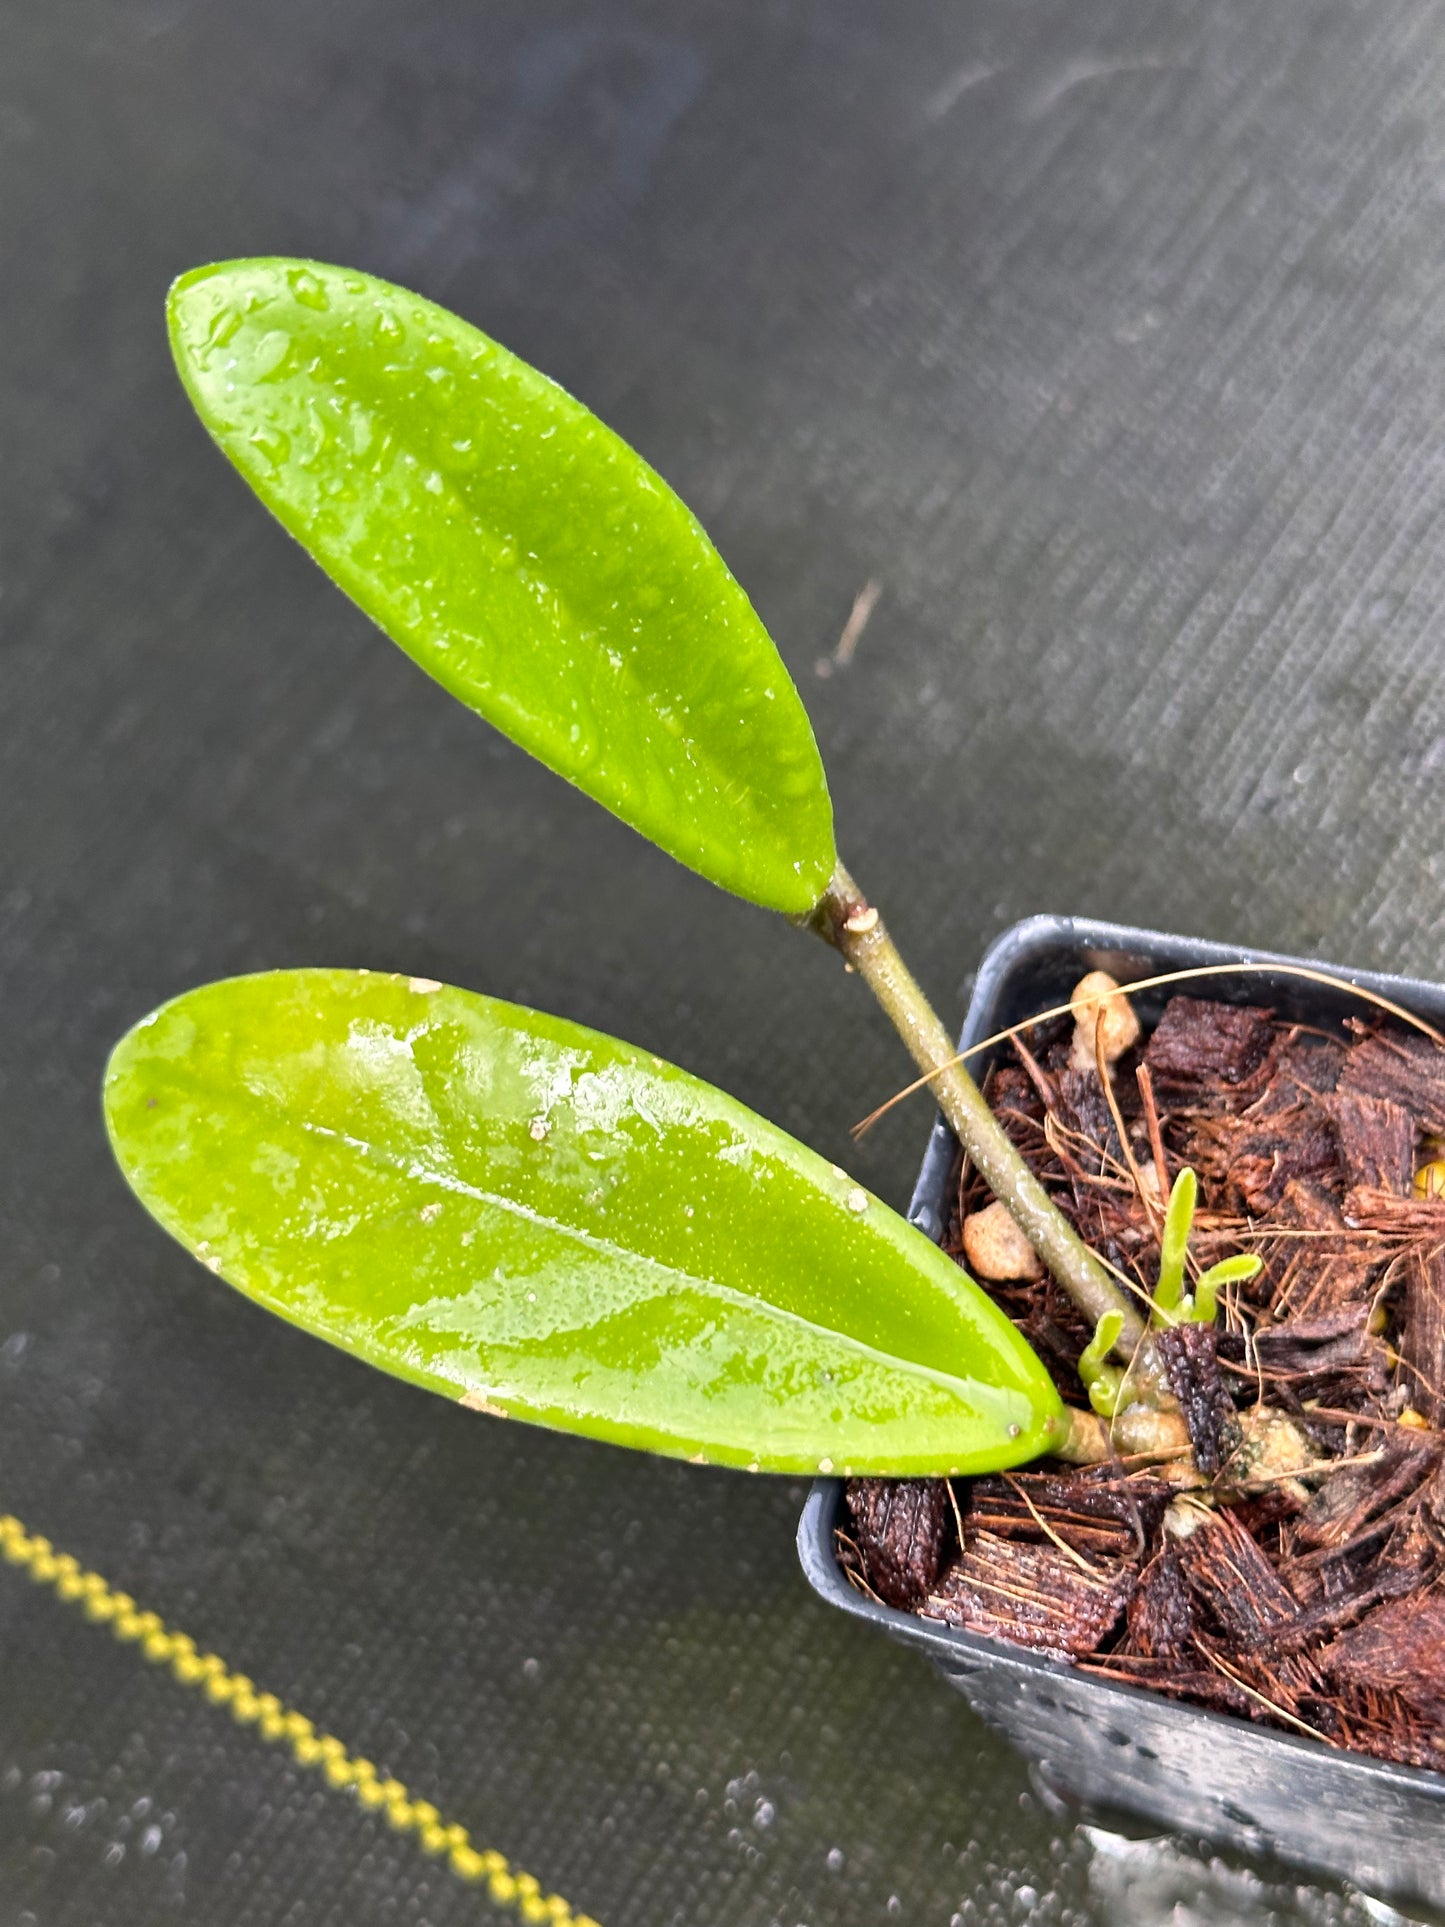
(542, 1221)
(520, 552)
(1229, 1271)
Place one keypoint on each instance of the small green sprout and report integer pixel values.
(1101, 1380)
(1174, 1245)
(1172, 1304)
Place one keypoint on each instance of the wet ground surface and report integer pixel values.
(1108, 344)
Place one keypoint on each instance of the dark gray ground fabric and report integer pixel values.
(1109, 337)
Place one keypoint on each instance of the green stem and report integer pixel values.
(1139, 1433)
(847, 920)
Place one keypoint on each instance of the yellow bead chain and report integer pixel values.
(322, 1752)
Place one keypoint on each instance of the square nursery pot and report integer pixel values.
(1122, 1749)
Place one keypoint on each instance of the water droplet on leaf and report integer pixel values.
(224, 324)
(273, 443)
(309, 289)
(267, 359)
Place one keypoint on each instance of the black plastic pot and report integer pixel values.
(1119, 1748)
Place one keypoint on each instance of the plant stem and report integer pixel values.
(847, 920)
(1139, 1433)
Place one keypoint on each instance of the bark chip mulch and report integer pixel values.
(1294, 1573)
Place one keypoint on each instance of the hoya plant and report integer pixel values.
(524, 1215)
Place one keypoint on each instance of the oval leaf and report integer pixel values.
(521, 553)
(544, 1222)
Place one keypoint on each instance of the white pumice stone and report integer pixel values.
(1113, 1020)
(996, 1249)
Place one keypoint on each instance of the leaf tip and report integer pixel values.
(116, 1075)
(207, 306)
(191, 297)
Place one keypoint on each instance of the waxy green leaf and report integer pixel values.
(541, 1221)
(521, 553)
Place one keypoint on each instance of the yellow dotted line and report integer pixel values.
(320, 1751)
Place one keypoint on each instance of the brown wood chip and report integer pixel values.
(900, 1526)
(1034, 1595)
(1377, 1140)
(1231, 1579)
(1305, 1061)
(1331, 1267)
(1407, 1069)
(1309, 1207)
(1085, 1109)
(1012, 1515)
(1422, 1338)
(1405, 1221)
(1389, 1726)
(1335, 1611)
(1012, 1098)
(1103, 1496)
(1192, 1362)
(1257, 1158)
(1354, 1495)
(1336, 1350)
(1161, 1620)
(1399, 1648)
(1197, 1041)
